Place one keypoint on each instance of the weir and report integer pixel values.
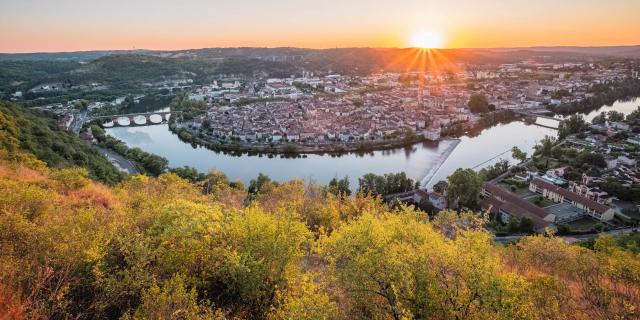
(439, 162)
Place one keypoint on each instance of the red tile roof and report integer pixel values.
(598, 207)
(514, 205)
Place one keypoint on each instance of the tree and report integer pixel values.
(591, 158)
(80, 104)
(189, 173)
(493, 171)
(452, 223)
(518, 154)
(615, 116)
(465, 186)
(478, 103)
(574, 124)
(600, 119)
(526, 225)
(441, 187)
(427, 206)
(386, 184)
(545, 147)
(339, 187)
(128, 102)
(258, 184)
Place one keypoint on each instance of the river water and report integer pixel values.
(435, 160)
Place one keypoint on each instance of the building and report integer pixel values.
(559, 195)
(507, 205)
(432, 134)
(620, 126)
(438, 200)
(626, 161)
(593, 193)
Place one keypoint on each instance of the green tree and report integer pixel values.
(574, 124)
(518, 154)
(493, 171)
(465, 186)
(591, 158)
(441, 187)
(615, 116)
(600, 119)
(339, 187)
(260, 183)
(128, 102)
(386, 184)
(189, 173)
(478, 103)
(545, 146)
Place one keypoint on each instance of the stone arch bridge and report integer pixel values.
(134, 119)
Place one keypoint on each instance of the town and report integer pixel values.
(342, 113)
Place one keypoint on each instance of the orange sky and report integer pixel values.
(70, 25)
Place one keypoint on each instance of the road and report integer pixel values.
(574, 238)
(79, 121)
(118, 161)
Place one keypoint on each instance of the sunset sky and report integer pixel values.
(71, 25)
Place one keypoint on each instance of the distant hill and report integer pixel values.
(70, 56)
(613, 51)
(285, 54)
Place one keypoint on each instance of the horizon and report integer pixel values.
(37, 26)
(328, 48)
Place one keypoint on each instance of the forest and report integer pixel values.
(41, 137)
(165, 248)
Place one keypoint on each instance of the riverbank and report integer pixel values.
(293, 149)
(365, 146)
(604, 95)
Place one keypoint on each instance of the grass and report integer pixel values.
(542, 204)
(519, 191)
(583, 224)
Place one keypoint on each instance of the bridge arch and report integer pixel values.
(123, 121)
(156, 119)
(140, 120)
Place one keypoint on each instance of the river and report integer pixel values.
(435, 160)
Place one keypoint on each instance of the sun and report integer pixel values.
(426, 39)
